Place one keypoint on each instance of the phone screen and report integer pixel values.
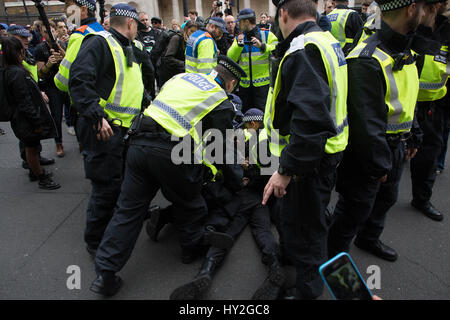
(344, 280)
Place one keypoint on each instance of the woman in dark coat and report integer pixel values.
(32, 120)
(174, 58)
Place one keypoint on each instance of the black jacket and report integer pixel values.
(174, 58)
(368, 151)
(303, 107)
(31, 112)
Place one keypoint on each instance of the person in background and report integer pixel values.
(31, 121)
(106, 24)
(173, 61)
(48, 60)
(328, 7)
(232, 27)
(193, 16)
(264, 21)
(175, 25)
(364, 12)
(322, 20)
(3, 33)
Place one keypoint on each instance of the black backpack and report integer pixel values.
(161, 44)
(6, 109)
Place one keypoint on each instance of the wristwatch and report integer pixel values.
(285, 172)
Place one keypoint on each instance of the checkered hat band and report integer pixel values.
(124, 13)
(396, 4)
(231, 68)
(252, 118)
(21, 33)
(90, 6)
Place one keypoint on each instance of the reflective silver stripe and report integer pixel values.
(202, 106)
(254, 54)
(90, 30)
(399, 126)
(120, 109)
(436, 86)
(263, 37)
(334, 92)
(173, 113)
(254, 62)
(66, 63)
(355, 53)
(201, 60)
(62, 79)
(342, 26)
(121, 75)
(394, 99)
(193, 69)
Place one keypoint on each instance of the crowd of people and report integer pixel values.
(340, 99)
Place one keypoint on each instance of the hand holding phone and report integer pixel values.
(343, 279)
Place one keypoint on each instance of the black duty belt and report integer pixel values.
(149, 125)
(403, 136)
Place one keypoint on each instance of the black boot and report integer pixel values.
(157, 221)
(197, 288)
(106, 285)
(272, 285)
(33, 177)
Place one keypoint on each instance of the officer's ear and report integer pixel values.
(230, 85)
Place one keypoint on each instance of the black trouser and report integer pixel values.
(253, 97)
(56, 101)
(363, 202)
(103, 165)
(431, 119)
(149, 168)
(303, 227)
(254, 213)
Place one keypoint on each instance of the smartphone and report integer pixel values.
(343, 279)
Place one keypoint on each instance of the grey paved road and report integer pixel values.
(41, 235)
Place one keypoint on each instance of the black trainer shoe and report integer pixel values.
(47, 183)
(46, 161)
(428, 209)
(106, 286)
(193, 290)
(377, 248)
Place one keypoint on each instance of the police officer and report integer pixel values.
(185, 102)
(383, 86)
(201, 48)
(345, 24)
(107, 90)
(306, 123)
(251, 49)
(433, 103)
(89, 25)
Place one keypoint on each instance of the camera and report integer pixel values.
(219, 3)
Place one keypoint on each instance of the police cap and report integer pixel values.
(89, 4)
(246, 14)
(389, 5)
(231, 66)
(125, 10)
(18, 31)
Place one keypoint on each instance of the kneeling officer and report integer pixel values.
(185, 101)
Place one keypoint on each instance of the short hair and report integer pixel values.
(366, 4)
(118, 21)
(264, 14)
(192, 11)
(224, 74)
(300, 8)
